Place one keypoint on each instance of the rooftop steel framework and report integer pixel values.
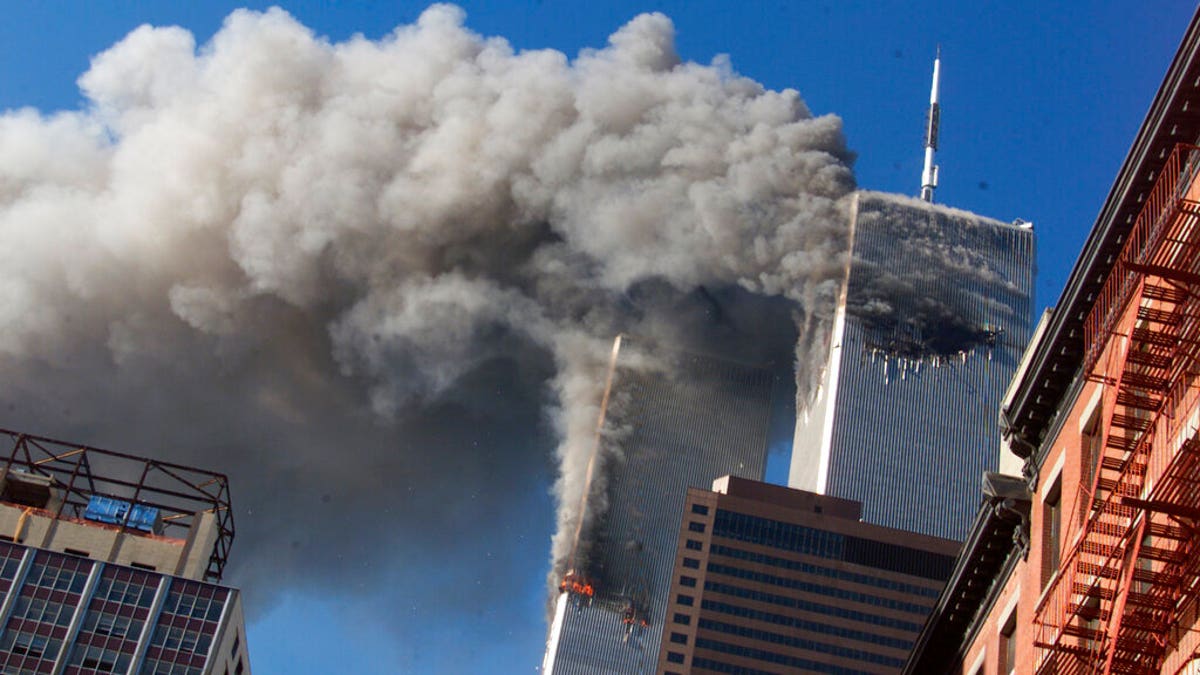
(79, 471)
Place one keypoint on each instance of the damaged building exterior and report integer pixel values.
(671, 420)
(110, 563)
(933, 315)
(1090, 562)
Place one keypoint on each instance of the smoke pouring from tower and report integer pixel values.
(376, 281)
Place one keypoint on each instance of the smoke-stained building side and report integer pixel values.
(934, 315)
(672, 420)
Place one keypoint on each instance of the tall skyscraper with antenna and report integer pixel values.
(933, 315)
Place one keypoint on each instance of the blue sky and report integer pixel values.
(1040, 102)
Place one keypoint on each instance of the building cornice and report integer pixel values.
(997, 542)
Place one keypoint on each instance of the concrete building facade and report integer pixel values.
(1088, 562)
(773, 580)
(109, 564)
(933, 316)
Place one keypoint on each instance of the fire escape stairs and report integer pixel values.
(1138, 603)
(1108, 622)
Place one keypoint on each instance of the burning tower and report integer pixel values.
(933, 316)
(669, 421)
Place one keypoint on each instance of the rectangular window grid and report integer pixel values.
(185, 629)
(117, 613)
(42, 612)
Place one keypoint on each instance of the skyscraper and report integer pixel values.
(769, 579)
(933, 317)
(672, 420)
(108, 564)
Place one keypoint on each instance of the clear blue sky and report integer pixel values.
(1040, 103)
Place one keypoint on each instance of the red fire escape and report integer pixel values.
(1133, 564)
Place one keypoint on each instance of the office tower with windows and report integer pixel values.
(109, 564)
(933, 316)
(671, 420)
(768, 579)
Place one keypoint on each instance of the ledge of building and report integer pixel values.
(989, 553)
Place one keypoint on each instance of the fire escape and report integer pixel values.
(1132, 566)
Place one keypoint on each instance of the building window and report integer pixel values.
(700, 509)
(691, 563)
(685, 599)
(694, 545)
(1090, 456)
(696, 527)
(682, 619)
(690, 582)
(1008, 645)
(679, 638)
(1051, 531)
(675, 657)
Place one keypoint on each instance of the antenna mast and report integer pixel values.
(929, 176)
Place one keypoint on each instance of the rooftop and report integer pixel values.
(77, 473)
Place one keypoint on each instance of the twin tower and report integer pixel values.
(932, 316)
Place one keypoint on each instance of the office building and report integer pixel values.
(773, 580)
(671, 420)
(933, 316)
(1097, 571)
(109, 564)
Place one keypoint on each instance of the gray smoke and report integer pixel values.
(376, 282)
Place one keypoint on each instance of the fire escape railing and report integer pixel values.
(1144, 241)
(1120, 586)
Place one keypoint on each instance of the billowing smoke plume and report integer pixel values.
(376, 281)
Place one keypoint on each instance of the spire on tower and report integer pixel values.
(929, 176)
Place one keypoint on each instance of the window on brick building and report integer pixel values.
(1008, 646)
(1051, 531)
(1091, 452)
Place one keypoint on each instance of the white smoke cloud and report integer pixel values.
(284, 257)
